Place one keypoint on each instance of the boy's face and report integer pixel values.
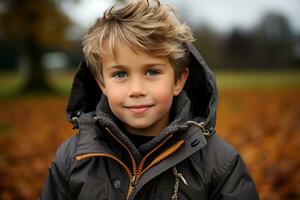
(140, 89)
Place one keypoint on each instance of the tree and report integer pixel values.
(275, 39)
(34, 25)
(209, 42)
(238, 50)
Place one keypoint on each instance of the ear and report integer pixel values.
(102, 86)
(180, 82)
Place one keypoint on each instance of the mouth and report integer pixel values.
(139, 109)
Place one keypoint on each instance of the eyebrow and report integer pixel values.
(148, 65)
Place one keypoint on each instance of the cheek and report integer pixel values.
(114, 95)
(163, 93)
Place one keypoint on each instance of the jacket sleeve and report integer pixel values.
(55, 186)
(235, 182)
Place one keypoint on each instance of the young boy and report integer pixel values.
(144, 102)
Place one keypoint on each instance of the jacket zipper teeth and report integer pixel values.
(90, 155)
(140, 168)
(134, 165)
(137, 172)
(163, 156)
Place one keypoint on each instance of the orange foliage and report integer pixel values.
(262, 124)
(33, 129)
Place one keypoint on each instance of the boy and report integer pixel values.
(144, 102)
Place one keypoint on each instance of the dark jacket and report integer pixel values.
(187, 160)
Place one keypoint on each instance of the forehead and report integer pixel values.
(123, 54)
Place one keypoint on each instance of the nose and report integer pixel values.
(137, 87)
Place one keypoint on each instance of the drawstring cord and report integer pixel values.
(200, 125)
(176, 184)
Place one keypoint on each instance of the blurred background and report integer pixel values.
(252, 46)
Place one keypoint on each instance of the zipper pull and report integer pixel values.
(131, 187)
(132, 181)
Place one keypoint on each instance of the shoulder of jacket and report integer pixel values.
(220, 148)
(65, 155)
(217, 158)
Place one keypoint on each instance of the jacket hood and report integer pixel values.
(200, 88)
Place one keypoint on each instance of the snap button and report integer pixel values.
(195, 142)
(117, 183)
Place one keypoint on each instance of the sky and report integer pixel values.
(222, 15)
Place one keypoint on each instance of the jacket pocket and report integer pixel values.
(94, 188)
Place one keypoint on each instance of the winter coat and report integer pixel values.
(187, 160)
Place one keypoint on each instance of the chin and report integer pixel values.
(140, 126)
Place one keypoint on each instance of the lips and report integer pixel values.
(139, 109)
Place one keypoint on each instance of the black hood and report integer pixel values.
(200, 88)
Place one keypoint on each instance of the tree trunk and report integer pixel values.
(37, 76)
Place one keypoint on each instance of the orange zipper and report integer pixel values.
(90, 155)
(134, 165)
(162, 156)
(137, 172)
(141, 165)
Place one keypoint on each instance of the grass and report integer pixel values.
(62, 81)
(10, 83)
(258, 79)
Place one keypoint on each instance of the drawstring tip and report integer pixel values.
(183, 179)
(176, 184)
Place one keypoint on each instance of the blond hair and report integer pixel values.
(144, 25)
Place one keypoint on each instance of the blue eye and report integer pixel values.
(152, 73)
(120, 75)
